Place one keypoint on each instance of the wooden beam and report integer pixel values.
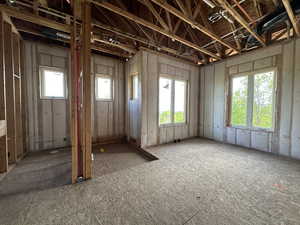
(152, 26)
(241, 20)
(193, 23)
(169, 20)
(124, 47)
(87, 98)
(139, 39)
(243, 10)
(74, 104)
(108, 51)
(149, 5)
(292, 17)
(35, 19)
(182, 7)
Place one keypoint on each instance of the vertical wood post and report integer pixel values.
(3, 148)
(74, 105)
(9, 93)
(87, 96)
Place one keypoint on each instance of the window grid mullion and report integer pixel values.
(172, 100)
(250, 100)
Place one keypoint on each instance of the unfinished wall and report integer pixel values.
(48, 119)
(152, 66)
(285, 139)
(108, 119)
(11, 78)
(133, 106)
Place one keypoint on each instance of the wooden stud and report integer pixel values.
(9, 93)
(74, 92)
(292, 17)
(3, 147)
(17, 94)
(87, 98)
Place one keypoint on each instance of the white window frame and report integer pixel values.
(250, 99)
(111, 88)
(42, 82)
(132, 88)
(172, 123)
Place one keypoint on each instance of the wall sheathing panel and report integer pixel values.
(48, 119)
(295, 137)
(285, 138)
(153, 66)
(134, 106)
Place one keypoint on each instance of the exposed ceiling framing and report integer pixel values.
(192, 30)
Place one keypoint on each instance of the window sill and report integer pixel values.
(53, 98)
(104, 100)
(172, 125)
(252, 129)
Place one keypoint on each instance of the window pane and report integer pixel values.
(104, 88)
(165, 90)
(135, 87)
(179, 101)
(53, 84)
(239, 101)
(263, 100)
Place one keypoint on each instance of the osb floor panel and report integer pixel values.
(196, 182)
(114, 157)
(50, 169)
(37, 171)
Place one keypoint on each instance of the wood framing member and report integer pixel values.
(35, 19)
(9, 93)
(17, 95)
(145, 23)
(241, 20)
(149, 5)
(87, 97)
(243, 10)
(108, 51)
(193, 23)
(292, 17)
(124, 47)
(74, 104)
(139, 39)
(3, 148)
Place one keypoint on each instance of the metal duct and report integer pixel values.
(271, 21)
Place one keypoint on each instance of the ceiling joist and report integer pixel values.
(152, 26)
(292, 17)
(240, 19)
(193, 23)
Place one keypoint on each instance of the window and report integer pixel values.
(252, 100)
(239, 101)
(263, 100)
(172, 101)
(134, 87)
(104, 88)
(53, 84)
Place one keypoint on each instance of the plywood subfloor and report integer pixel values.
(195, 182)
